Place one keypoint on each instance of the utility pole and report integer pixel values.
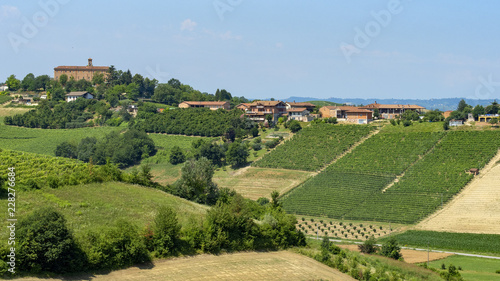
(428, 246)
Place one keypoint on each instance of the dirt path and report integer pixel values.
(410, 256)
(476, 209)
(240, 266)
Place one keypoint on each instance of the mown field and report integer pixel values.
(469, 242)
(314, 147)
(473, 269)
(95, 206)
(354, 187)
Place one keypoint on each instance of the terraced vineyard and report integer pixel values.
(352, 188)
(314, 147)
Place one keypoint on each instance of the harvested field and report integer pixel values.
(475, 209)
(410, 256)
(254, 182)
(240, 266)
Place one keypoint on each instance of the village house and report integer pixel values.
(391, 111)
(299, 114)
(487, 117)
(350, 114)
(74, 95)
(456, 123)
(213, 105)
(3, 87)
(80, 72)
(307, 105)
(243, 106)
(258, 110)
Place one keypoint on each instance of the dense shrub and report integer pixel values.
(116, 247)
(165, 232)
(196, 182)
(176, 155)
(46, 244)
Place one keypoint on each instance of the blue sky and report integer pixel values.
(264, 49)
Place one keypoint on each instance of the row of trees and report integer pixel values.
(122, 149)
(46, 243)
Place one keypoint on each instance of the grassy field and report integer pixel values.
(467, 242)
(254, 182)
(473, 269)
(94, 206)
(45, 141)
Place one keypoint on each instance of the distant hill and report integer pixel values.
(323, 103)
(441, 104)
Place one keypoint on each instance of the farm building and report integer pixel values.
(456, 123)
(487, 117)
(213, 105)
(74, 95)
(350, 114)
(4, 87)
(391, 111)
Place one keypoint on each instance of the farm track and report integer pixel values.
(475, 209)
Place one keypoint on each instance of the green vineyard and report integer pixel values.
(353, 187)
(36, 171)
(314, 147)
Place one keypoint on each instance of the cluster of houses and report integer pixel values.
(301, 111)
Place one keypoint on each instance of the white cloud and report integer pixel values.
(228, 36)
(188, 25)
(9, 12)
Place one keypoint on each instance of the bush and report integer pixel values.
(263, 201)
(165, 231)
(45, 243)
(116, 247)
(294, 126)
(369, 246)
(176, 156)
(256, 146)
(391, 249)
(66, 149)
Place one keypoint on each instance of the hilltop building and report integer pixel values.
(307, 105)
(258, 110)
(213, 105)
(391, 111)
(80, 72)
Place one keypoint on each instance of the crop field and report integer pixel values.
(45, 141)
(255, 182)
(339, 193)
(473, 269)
(94, 206)
(282, 265)
(40, 167)
(314, 147)
(387, 154)
(474, 243)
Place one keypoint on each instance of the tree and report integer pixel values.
(446, 125)
(255, 131)
(176, 155)
(478, 110)
(492, 108)
(45, 243)
(376, 113)
(369, 246)
(237, 154)
(113, 76)
(462, 105)
(13, 83)
(98, 79)
(86, 148)
(126, 78)
(63, 79)
(165, 231)
(391, 249)
(28, 82)
(294, 126)
(434, 115)
(176, 84)
(66, 149)
(196, 182)
(132, 91)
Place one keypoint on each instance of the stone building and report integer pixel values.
(80, 72)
